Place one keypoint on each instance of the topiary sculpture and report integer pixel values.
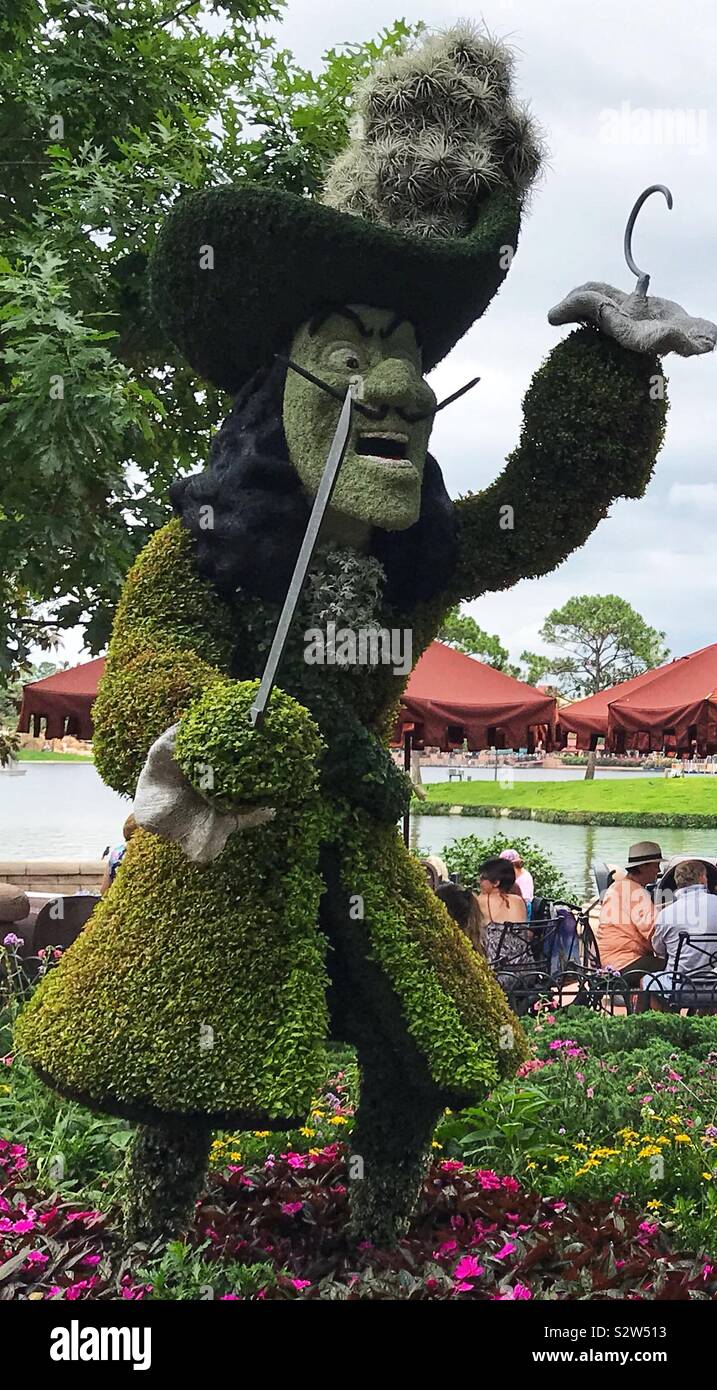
(268, 902)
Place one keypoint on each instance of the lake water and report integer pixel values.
(64, 811)
(59, 811)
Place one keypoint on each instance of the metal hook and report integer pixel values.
(643, 278)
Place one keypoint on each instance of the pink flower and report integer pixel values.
(291, 1208)
(301, 1284)
(579, 1076)
(521, 1291)
(468, 1268)
(646, 1100)
(76, 1290)
(226, 1296)
(450, 1165)
(295, 1160)
(446, 1248)
(511, 1184)
(92, 1259)
(590, 1092)
(559, 1206)
(707, 1271)
(36, 1257)
(487, 1179)
(508, 1249)
(462, 1288)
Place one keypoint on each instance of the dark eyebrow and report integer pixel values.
(391, 327)
(341, 311)
(395, 323)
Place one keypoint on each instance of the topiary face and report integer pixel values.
(380, 480)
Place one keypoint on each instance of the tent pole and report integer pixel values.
(407, 742)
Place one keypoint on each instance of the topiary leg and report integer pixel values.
(390, 1146)
(165, 1168)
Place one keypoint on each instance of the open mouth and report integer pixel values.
(384, 446)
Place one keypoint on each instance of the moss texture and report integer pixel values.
(152, 1205)
(197, 992)
(274, 765)
(591, 433)
(172, 638)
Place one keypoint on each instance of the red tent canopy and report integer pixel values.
(451, 697)
(677, 707)
(64, 700)
(588, 718)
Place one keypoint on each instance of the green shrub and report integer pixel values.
(613, 1036)
(220, 752)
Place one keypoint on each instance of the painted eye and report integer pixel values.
(347, 358)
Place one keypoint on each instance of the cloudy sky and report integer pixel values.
(609, 81)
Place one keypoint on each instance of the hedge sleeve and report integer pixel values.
(593, 424)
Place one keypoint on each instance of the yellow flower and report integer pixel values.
(662, 1139)
(682, 1139)
(582, 1148)
(580, 1171)
(654, 1206)
(529, 1166)
(235, 1157)
(261, 1133)
(307, 1133)
(562, 1158)
(674, 1119)
(338, 1120)
(707, 1177)
(649, 1151)
(435, 1144)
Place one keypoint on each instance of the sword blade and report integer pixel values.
(322, 499)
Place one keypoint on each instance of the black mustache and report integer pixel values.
(377, 412)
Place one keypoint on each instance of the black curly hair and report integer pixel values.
(260, 510)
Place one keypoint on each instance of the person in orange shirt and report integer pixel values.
(628, 916)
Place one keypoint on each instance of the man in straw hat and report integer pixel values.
(267, 902)
(628, 915)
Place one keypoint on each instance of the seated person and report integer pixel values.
(523, 879)
(498, 900)
(500, 903)
(627, 916)
(693, 910)
(116, 855)
(462, 904)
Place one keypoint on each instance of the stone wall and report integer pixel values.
(52, 875)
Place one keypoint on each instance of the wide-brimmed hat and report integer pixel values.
(420, 215)
(644, 852)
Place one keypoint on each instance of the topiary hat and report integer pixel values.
(420, 214)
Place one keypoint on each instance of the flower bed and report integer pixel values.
(592, 1174)
(277, 1231)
